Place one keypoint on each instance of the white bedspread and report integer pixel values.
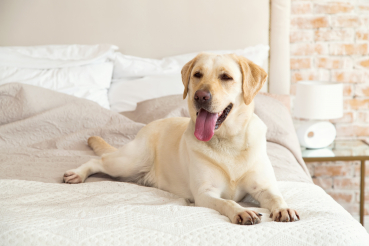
(117, 213)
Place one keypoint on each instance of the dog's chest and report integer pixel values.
(233, 163)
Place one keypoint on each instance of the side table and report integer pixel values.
(343, 150)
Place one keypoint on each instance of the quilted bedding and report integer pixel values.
(44, 133)
(117, 213)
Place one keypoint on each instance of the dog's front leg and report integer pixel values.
(272, 199)
(209, 197)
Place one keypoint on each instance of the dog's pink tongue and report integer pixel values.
(205, 125)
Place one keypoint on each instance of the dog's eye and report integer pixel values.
(197, 75)
(225, 77)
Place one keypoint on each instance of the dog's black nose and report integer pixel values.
(202, 96)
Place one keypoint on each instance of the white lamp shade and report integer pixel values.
(318, 100)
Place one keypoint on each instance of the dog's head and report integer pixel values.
(216, 86)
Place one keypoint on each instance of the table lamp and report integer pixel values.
(317, 101)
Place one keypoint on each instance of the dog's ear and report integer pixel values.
(186, 73)
(253, 78)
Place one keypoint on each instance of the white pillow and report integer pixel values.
(138, 79)
(55, 56)
(84, 71)
(90, 81)
(124, 94)
(130, 66)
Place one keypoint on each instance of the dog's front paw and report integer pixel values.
(285, 215)
(71, 177)
(247, 217)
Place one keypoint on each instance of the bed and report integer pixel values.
(44, 127)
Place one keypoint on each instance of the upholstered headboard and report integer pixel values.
(155, 28)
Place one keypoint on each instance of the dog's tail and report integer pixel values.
(99, 146)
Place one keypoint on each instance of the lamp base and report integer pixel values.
(316, 135)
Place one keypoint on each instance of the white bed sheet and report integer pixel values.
(117, 213)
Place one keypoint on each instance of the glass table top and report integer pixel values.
(339, 148)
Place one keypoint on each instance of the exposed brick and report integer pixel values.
(364, 63)
(309, 22)
(349, 183)
(325, 183)
(348, 49)
(321, 74)
(364, 20)
(345, 21)
(346, 183)
(300, 63)
(352, 130)
(361, 130)
(345, 130)
(365, 75)
(347, 90)
(301, 8)
(301, 36)
(356, 103)
(302, 49)
(310, 166)
(363, 8)
(353, 208)
(302, 75)
(334, 35)
(342, 196)
(348, 117)
(363, 117)
(331, 170)
(334, 62)
(362, 90)
(358, 171)
(366, 197)
(348, 76)
(362, 35)
(333, 8)
(321, 48)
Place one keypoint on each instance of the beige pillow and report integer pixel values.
(284, 99)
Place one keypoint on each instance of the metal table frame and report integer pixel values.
(362, 174)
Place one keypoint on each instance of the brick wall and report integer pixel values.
(330, 42)
(341, 180)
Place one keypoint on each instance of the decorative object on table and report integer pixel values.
(318, 101)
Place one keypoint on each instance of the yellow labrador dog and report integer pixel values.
(215, 157)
